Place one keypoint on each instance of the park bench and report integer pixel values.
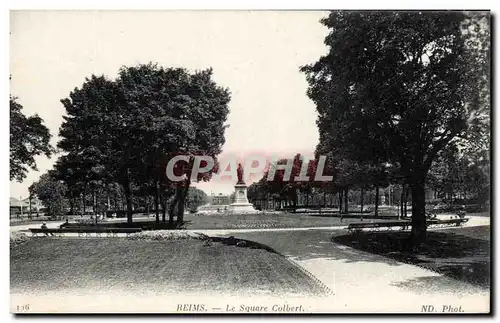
(378, 226)
(401, 225)
(84, 231)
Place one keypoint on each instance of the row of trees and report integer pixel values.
(59, 200)
(345, 177)
(453, 178)
(400, 89)
(124, 131)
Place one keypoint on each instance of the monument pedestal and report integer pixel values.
(240, 203)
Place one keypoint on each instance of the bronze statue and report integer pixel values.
(240, 174)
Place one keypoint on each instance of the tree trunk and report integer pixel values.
(418, 223)
(377, 193)
(128, 198)
(115, 201)
(84, 202)
(172, 208)
(94, 202)
(402, 200)
(71, 205)
(164, 208)
(407, 192)
(182, 203)
(361, 197)
(29, 214)
(108, 208)
(340, 202)
(157, 211)
(94, 205)
(346, 196)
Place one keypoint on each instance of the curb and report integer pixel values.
(327, 289)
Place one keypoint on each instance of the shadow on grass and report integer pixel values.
(311, 244)
(451, 254)
(243, 243)
(426, 284)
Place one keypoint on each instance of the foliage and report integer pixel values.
(164, 235)
(51, 192)
(29, 137)
(398, 87)
(17, 238)
(125, 131)
(196, 198)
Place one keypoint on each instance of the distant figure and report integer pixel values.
(461, 212)
(64, 224)
(44, 227)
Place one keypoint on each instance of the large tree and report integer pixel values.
(408, 80)
(91, 135)
(131, 127)
(29, 137)
(51, 192)
(175, 112)
(196, 198)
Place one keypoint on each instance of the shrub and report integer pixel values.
(18, 238)
(165, 235)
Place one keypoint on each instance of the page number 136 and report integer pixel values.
(25, 307)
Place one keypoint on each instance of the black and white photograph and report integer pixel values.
(250, 161)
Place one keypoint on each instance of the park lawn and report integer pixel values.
(49, 265)
(246, 221)
(253, 221)
(460, 253)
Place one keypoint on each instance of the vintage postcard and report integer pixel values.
(236, 162)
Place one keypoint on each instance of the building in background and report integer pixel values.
(219, 199)
(22, 207)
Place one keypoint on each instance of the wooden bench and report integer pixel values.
(376, 226)
(84, 231)
(401, 224)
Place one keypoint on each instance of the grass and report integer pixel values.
(452, 252)
(243, 221)
(47, 265)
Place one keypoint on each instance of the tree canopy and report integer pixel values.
(29, 137)
(126, 130)
(398, 87)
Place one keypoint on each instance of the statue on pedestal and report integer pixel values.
(240, 203)
(239, 171)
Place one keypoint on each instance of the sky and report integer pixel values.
(256, 54)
